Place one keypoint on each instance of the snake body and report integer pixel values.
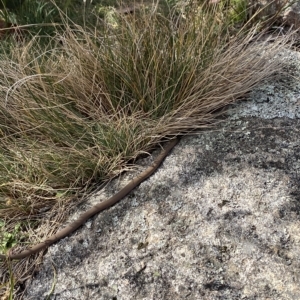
(96, 208)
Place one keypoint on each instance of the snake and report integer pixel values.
(71, 227)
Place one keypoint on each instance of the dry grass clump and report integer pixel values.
(73, 115)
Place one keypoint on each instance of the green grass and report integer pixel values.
(74, 111)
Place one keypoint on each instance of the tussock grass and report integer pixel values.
(74, 114)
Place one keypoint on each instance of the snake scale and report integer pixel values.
(96, 208)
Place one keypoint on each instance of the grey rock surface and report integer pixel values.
(220, 219)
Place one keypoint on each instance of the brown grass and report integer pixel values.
(74, 114)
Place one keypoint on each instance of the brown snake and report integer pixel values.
(97, 208)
